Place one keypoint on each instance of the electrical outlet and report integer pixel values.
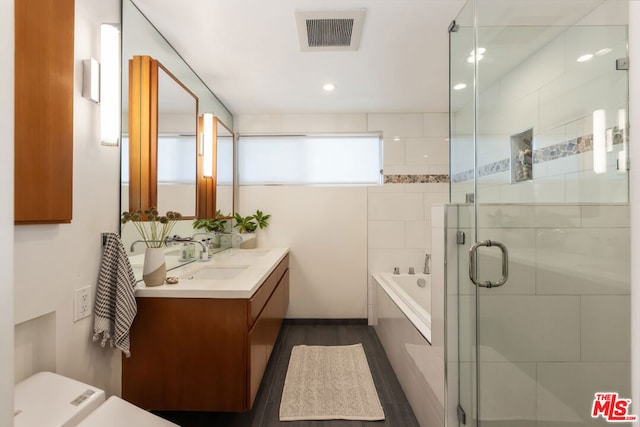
(82, 303)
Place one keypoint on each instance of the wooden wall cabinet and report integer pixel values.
(204, 354)
(44, 90)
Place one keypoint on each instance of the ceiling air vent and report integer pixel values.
(329, 30)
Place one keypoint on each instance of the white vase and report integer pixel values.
(154, 270)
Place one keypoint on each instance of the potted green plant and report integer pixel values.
(249, 224)
(211, 225)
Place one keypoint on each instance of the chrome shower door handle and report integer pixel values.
(472, 264)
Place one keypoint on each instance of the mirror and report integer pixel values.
(139, 37)
(177, 130)
(161, 144)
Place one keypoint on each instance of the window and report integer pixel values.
(176, 159)
(344, 159)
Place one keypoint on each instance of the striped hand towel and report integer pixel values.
(115, 306)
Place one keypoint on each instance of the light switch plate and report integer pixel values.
(82, 303)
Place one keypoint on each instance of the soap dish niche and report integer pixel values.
(522, 156)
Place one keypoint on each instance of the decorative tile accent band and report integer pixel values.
(579, 145)
(416, 179)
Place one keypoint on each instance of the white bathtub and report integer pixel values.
(413, 300)
(403, 324)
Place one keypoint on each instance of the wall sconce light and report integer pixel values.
(623, 164)
(599, 141)
(91, 80)
(110, 84)
(207, 145)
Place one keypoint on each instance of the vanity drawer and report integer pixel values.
(260, 298)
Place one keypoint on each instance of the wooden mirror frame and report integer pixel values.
(143, 133)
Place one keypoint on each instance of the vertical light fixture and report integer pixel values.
(599, 141)
(110, 84)
(207, 145)
(622, 128)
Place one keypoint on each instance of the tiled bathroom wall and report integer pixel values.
(556, 96)
(416, 159)
(559, 330)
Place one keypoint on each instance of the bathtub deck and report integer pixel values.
(265, 411)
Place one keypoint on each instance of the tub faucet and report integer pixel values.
(396, 270)
(427, 261)
(411, 270)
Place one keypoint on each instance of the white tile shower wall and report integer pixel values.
(71, 253)
(634, 117)
(555, 95)
(562, 321)
(399, 215)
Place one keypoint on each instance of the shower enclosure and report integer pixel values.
(538, 277)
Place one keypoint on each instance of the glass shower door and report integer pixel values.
(546, 327)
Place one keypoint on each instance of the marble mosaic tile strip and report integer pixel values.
(462, 176)
(416, 179)
(579, 145)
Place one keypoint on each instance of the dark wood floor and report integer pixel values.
(397, 411)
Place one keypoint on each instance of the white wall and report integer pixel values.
(53, 260)
(6, 212)
(325, 228)
(634, 117)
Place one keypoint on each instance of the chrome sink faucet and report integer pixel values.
(141, 241)
(427, 262)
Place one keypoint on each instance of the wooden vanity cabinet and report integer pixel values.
(204, 354)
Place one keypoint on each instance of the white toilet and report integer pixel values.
(51, 400)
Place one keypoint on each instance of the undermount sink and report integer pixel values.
(216, 273)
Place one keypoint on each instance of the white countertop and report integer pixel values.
(256, 266)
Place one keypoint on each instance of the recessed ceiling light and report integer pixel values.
(585, 58)
(459, 86)
(472, 58)
(603, 51)
(479, 51)
(328, 87)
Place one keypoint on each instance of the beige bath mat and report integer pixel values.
(329, 382)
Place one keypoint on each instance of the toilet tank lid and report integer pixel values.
(118, 412)
(51, 399)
